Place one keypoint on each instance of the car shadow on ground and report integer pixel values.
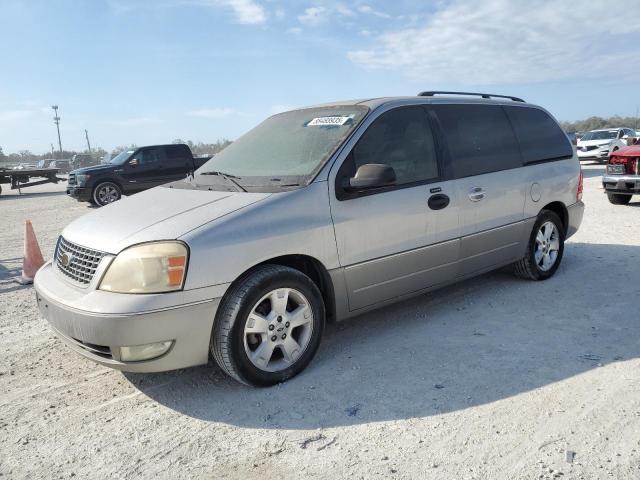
(597, 171)
(27, 194)
(10, 274)
(470, 344)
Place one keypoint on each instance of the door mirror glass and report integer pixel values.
(133, 162)
(372, 175)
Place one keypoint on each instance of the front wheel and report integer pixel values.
(105, 193)
(619, 199)
(544, 250)
(268, 326)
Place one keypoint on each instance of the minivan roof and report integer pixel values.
(373, 103)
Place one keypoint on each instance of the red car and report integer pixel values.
(622, 177)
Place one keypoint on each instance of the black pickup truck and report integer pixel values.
(132, 171)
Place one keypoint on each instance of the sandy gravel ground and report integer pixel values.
(493, 378)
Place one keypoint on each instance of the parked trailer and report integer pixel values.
(21, 178)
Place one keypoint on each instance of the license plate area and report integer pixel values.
(616, 169)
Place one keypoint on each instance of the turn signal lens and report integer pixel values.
(147, 268)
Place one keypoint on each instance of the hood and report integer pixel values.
(157, 214)
(630, 151)
(94, 168)
(589, 143)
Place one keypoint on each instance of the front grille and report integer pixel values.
(100, 350)
(72, 179)
(76, 262)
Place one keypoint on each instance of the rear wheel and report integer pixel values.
(619, 199)
(105, 193)
(268, 326)
(544, 250)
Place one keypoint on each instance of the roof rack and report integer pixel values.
(483, 95)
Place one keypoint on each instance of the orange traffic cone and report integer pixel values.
(32, 255)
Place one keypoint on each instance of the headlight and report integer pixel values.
(81, 178)
(147, 268)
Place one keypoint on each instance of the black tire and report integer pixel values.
(527, 267)
(101, 200)
(618, 198)
(227, 338)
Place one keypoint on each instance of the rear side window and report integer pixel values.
(480, 139)
(150, 156)
(402, 139)
(541, 138)
(175, 151)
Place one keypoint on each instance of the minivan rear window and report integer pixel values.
(480, 139)
(540, 137)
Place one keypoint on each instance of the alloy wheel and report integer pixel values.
(278, 329)
(547, 246)
(107, 194)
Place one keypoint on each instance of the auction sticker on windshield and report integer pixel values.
(328, 121)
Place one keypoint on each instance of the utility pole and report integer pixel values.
(86, 134)
(56, 120)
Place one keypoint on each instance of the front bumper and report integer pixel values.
(81, 194)
(575, 214)
(625, 184)
(96, 324)
(593, 154)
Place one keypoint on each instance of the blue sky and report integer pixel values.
(145, 72)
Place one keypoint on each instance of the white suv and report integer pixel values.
(599, 144)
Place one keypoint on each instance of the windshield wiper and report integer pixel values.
(226, 177)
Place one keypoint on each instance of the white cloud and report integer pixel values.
(367, 9)
(500, 41)
(212, 112)
(313, 16)
(295, 30)
(344, 10)
(246, 11)
(8, 116)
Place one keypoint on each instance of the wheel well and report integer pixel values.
(559, 209)
(316, 271)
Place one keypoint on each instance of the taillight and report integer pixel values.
(580, 186)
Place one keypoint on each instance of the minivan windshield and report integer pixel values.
(287, 148)
(121, 157)
(600, 135)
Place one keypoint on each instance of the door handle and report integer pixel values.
(476, 194)
(438, 201)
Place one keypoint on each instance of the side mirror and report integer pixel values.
(371, 175)
(133, 162)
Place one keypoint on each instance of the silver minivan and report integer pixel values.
(315, 215)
